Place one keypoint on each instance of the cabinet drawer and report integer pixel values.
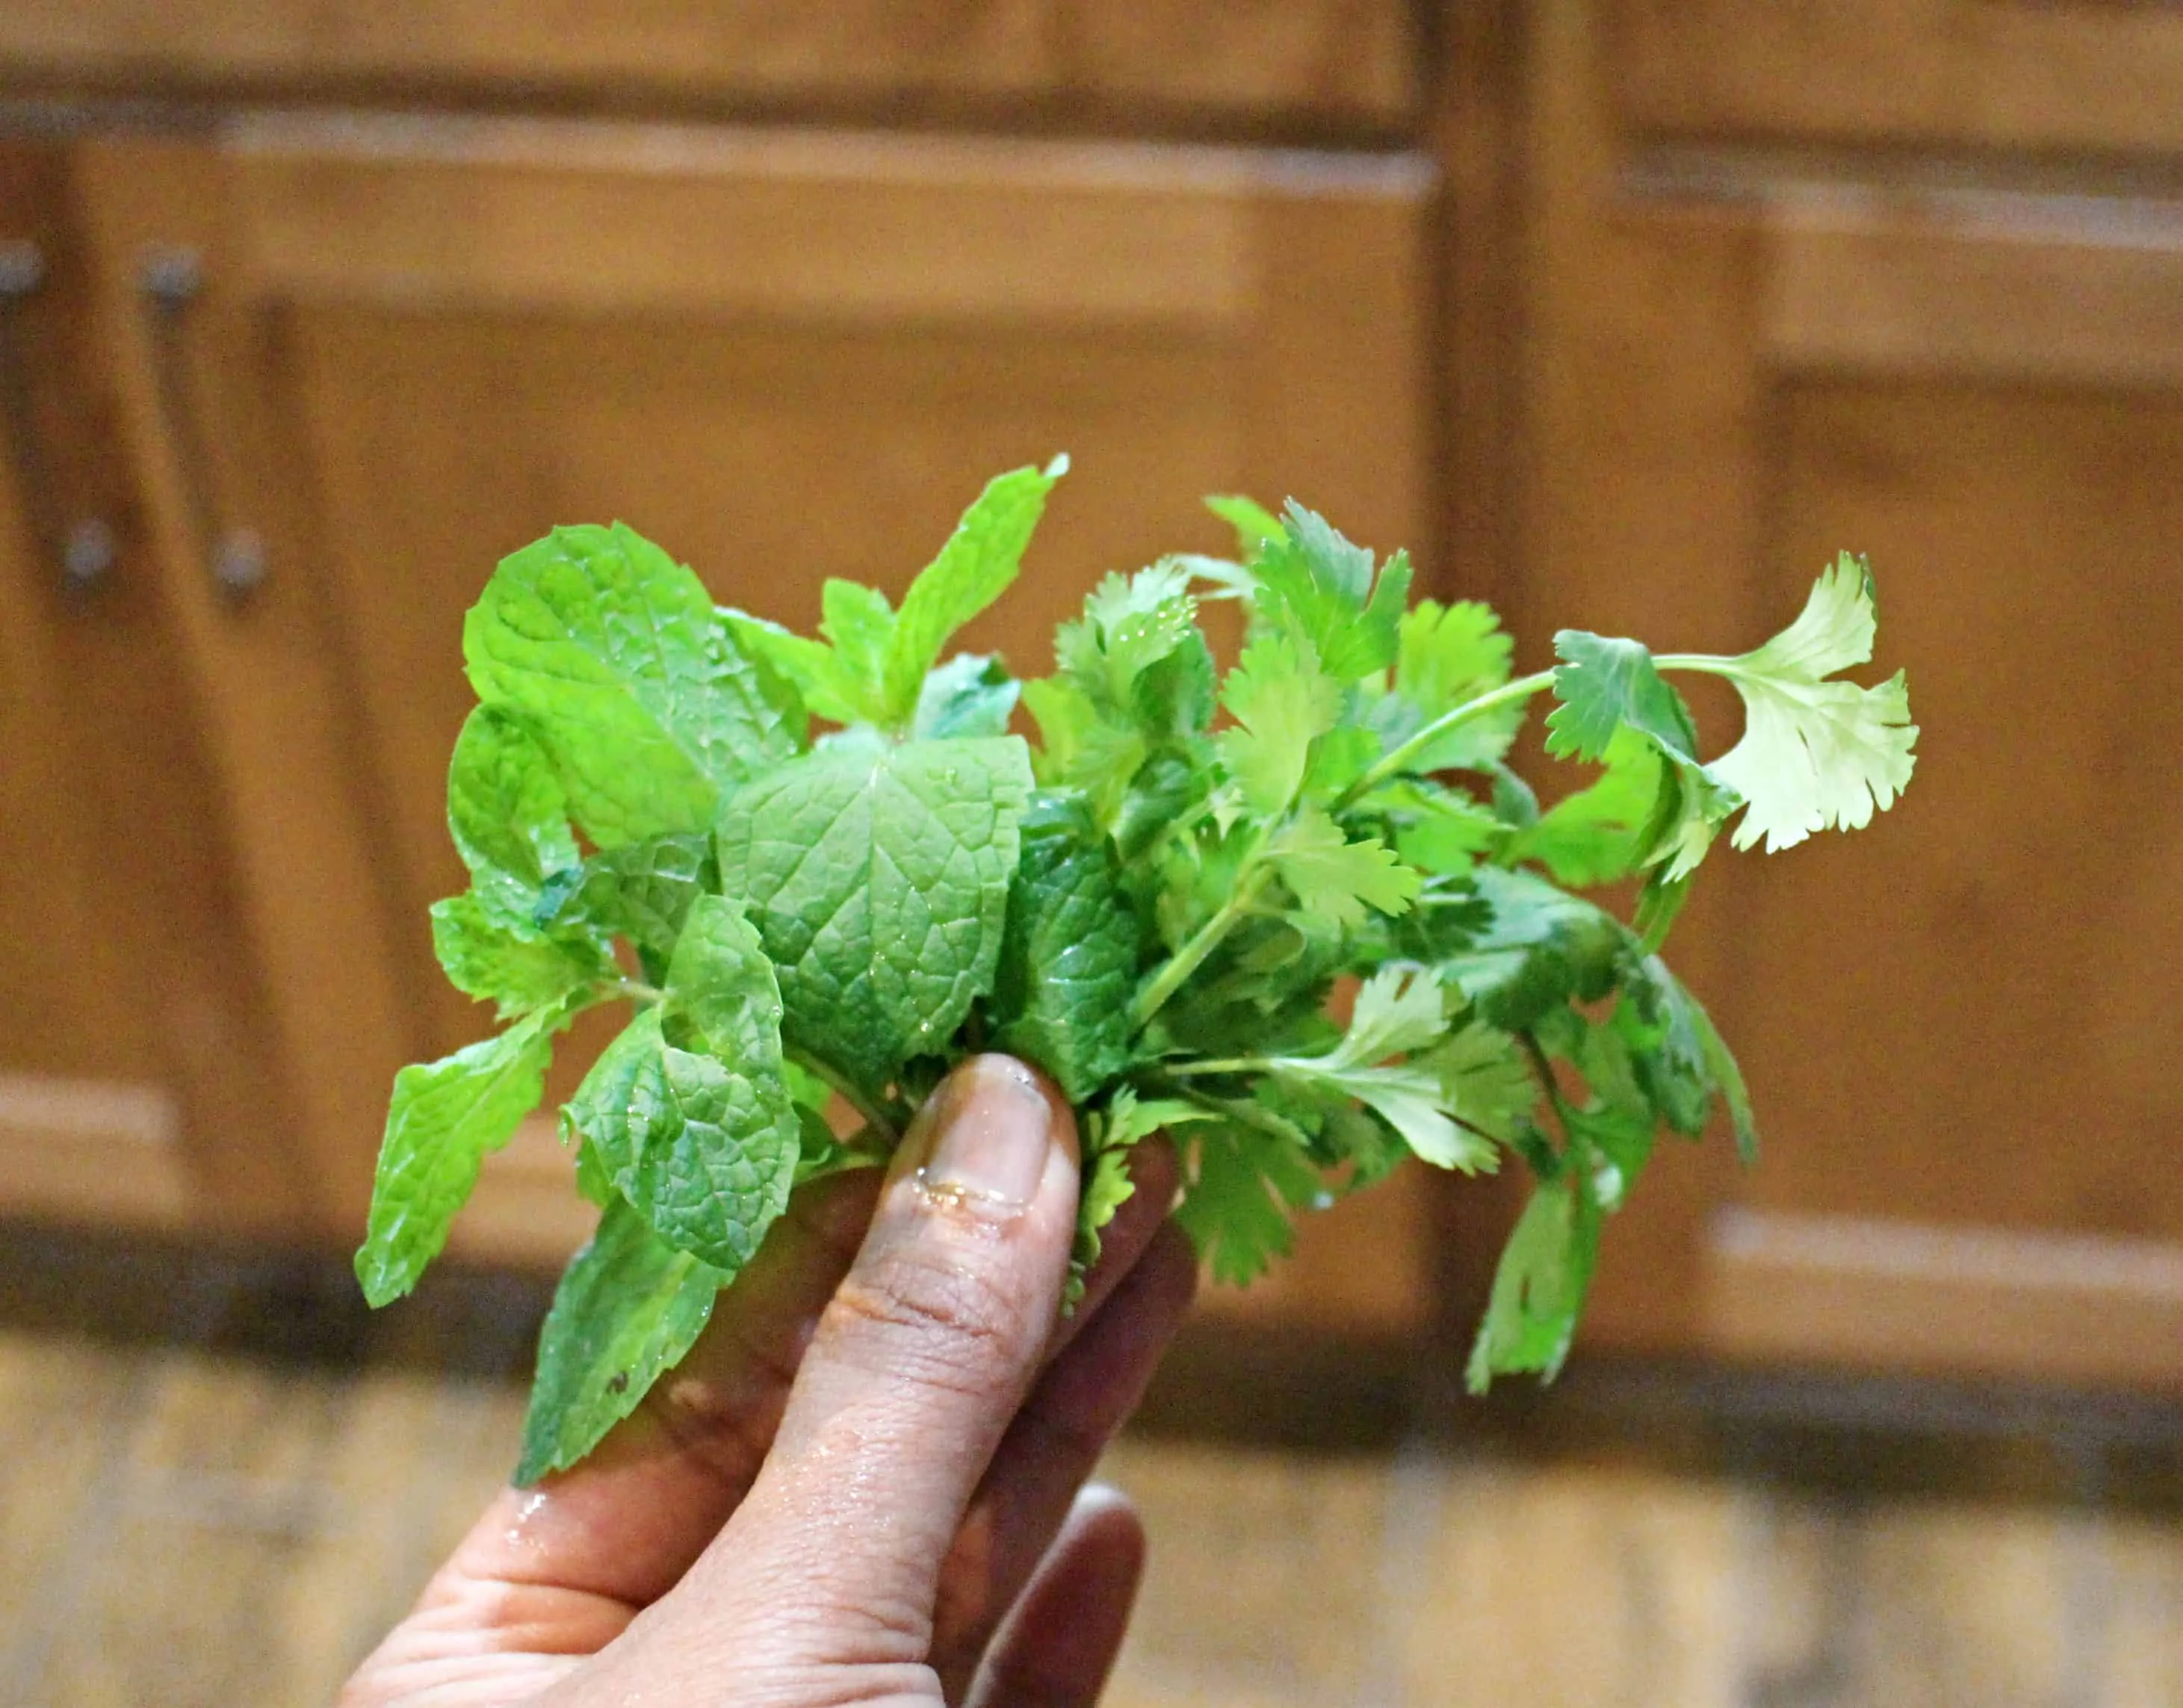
(1346, 61)
(2078, 75)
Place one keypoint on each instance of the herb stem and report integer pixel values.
(875, 1116)
(1191, 955)
(1398, 759)
(1240, 1064)
(636, 989)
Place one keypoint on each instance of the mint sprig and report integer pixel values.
(837, 871)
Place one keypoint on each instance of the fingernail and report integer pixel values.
(991, 1129)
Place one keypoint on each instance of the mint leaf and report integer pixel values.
(609, 653)
(507, 813)
(446, 1115)
(877, 878)
(1068, 957)
(974, 568)
(521, 970)
(628, 1308)
(969, 695)
(1816, 753)
(687, 1111)
(640, 890)
(1538, 1286)
(1315, 586)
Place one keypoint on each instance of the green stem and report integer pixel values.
(1238, 1064)
(636, 989)
(1191, 955)
(875, 1116)
(1398, 759)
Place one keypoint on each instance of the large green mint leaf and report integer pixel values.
(877, 875)
(446, 1115)
(975, 567)
(628, 1308)
(1068, 957)
(1538, 1286)
(507, 813)
(1314, 584)
(521, 970)
(687, 1110)
(642, 890)
(1816, 753)
(609, 652)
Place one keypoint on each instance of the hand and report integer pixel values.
(866, 1484)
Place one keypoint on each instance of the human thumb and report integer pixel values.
(915, 1372)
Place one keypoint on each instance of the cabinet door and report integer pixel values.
(1956, 1024)
(416, 344)
(133, 1065)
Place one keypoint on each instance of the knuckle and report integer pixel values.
(939, 1317)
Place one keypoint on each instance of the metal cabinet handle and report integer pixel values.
(84, 550)
(171, 280)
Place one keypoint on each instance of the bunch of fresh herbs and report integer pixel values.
(822, 870)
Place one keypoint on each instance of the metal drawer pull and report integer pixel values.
(236, 557)
(84, 550)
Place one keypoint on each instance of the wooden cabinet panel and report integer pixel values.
(2081, 74)
(137, 1082)
(1952, 1022)
(1346, 61)
(417, 344)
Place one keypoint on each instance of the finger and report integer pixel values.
(620, 1529)
(1062, 1639)
(1053, 1445)
(919, 1365)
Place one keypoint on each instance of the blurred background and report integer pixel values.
(1624, 315)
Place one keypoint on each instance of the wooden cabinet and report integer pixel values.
(360, 358)
(1743, 352)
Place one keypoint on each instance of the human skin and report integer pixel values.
(866, 1483)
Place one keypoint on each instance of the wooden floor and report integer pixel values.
(191, 1513)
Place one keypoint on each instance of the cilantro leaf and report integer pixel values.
(974, 568)
(1253, 523)
(1068, 957)
(878, 876)
(521, 970)
(507, 813)
(1542, 950)
(628, 1308)
(1244, 1185)
(1335, 878)
(1316, 588)
(687, 1110)
(445, 1116)
(1539, 1285)
(1818, 753)
(609, 652)
(1281, 701)
(1604, 684)
(1449, 655)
